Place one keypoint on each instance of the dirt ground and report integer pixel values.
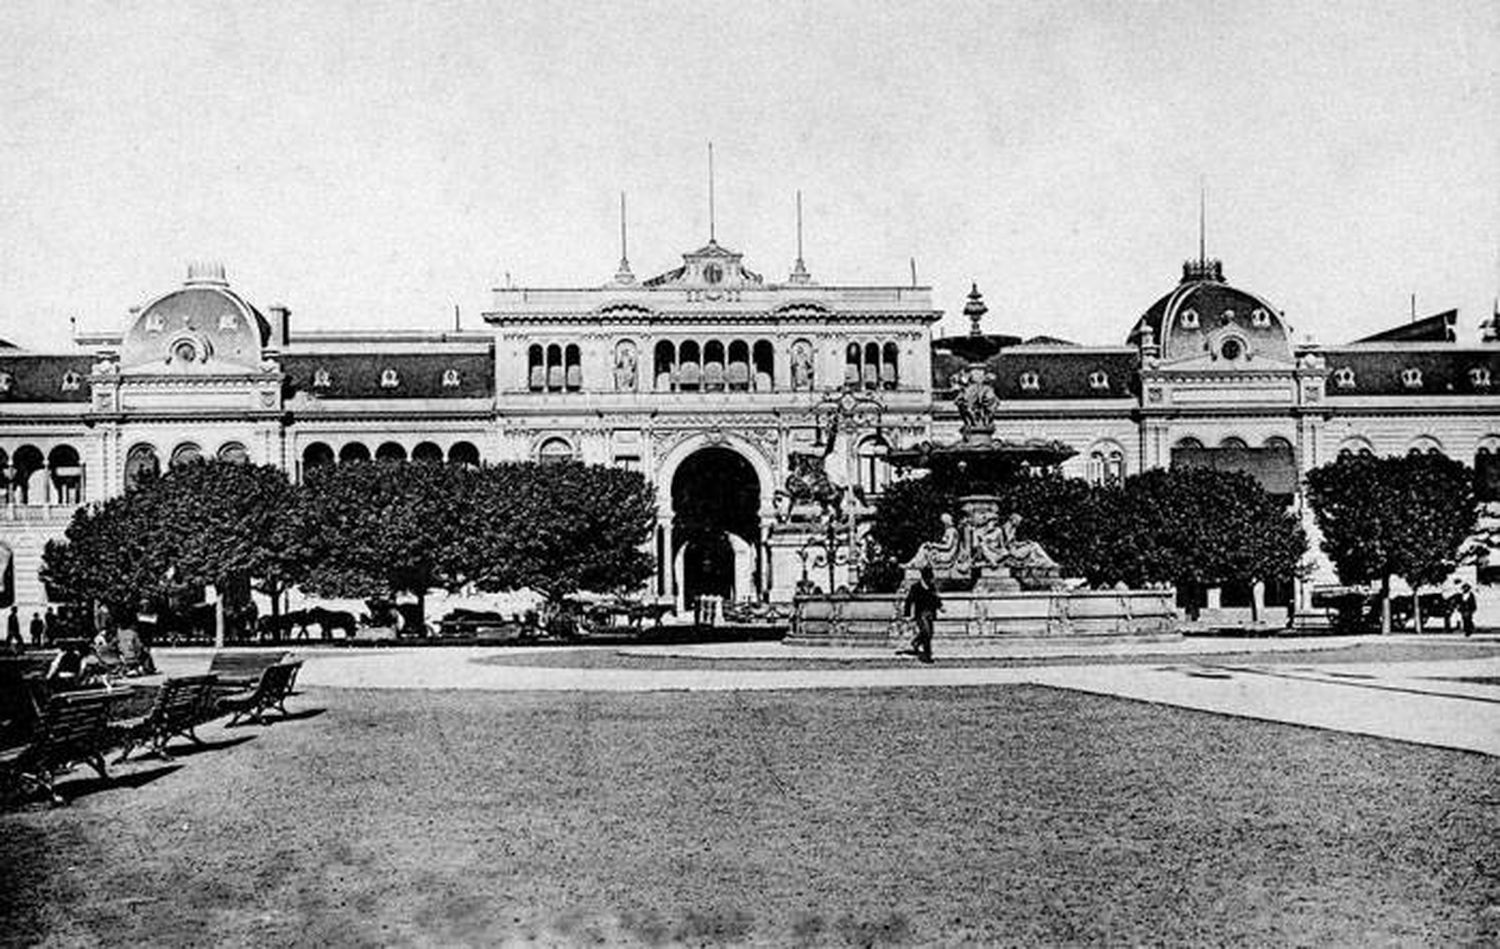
(990, 815)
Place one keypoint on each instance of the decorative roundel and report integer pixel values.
(188, 348)
(1232, 348)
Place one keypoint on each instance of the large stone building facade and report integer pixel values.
(758, 409)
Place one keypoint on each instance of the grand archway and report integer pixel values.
(715, 525)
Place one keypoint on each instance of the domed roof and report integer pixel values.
(202, 327)
(1203, 313)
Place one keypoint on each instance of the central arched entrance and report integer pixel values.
(715, 525)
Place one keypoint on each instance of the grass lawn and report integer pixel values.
(996, 814)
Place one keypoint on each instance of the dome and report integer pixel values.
(205, 327)
(1205, 316)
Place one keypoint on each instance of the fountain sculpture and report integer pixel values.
(996, 585)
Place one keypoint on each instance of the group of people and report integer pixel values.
(43, 629)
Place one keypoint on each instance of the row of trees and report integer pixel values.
(1191, 527)
(366, 530)
(1408, 516)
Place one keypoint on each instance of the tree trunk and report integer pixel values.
(421, 629)
(1385, 605)
(1254, 604)
(1416, 609)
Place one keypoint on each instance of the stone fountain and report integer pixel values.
(995, 586)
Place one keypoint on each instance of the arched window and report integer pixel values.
(575, 368)
(1278, 443)
(140, 462)
(1106, 464)
(1030, 382)
(737, 372)
(554, 450)
(890, 366)
(427, 453)
(71, 381)
(870, 372)
(1425, 445)
(556, 371)
(463, 453)
(1187, 444)
(354, 451)
(233, 452)
(1260, 318)
(1099, 380)
(66, 469)
(1233, 442)
(186, 454)
(1479, 377)
(321, 379)
(451, 379)
(1188, 320)
(536, 368)
(689, 372)
(765, 365)
(851, 364)
(713, 365)
(390, 451)
(390, 379)
(665, 365)
(316, 455)
(1411, 378)
(1356, 446)
(874, 473)
(1343, 377)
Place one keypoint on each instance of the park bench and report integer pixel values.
(237, 669)
(180, 705)
(270, 691)
(72, 728)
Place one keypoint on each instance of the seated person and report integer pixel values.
(107, 652)
(73, 669)
(134, 655)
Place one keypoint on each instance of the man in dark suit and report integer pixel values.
(922, 604)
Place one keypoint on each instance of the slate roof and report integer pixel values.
(39, 378)
(1065, 374)
(1378, 370)
(358, 375)
(1437, 328)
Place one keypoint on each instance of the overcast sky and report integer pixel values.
(374, 164)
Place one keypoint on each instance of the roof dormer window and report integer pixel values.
(389, 379)
(228, 321)
(1411, 378)
(321, 379)
(1479, 377)
(450, 379)
(1098, 380)
(1260, 318)
(1188, 319)
(1030, 382)
(1226, 317)
(71, 381)
(1343, 377)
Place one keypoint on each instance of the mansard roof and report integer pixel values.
(1061, 372)
(39, 378)
(1382, 370)
(358, 375)
(1437, 328)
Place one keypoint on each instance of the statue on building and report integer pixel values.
(802, 365)
(977, 401)
(625, 366)
(808, 482)
(7, 382)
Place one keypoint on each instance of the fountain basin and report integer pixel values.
(1044, 616)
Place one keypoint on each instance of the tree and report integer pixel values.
(1405, 516)
(384, 528)
(209, 522)
(560, 528)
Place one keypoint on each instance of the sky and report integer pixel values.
(375, 164)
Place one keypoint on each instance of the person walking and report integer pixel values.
(1467, 604)
(13, 630)
(49, 633)
(38, 628)
(922, 603)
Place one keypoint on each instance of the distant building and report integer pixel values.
(758, 409)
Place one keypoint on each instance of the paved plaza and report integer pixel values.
(1449, 703)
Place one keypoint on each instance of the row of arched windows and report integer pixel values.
(33, 477)
(142, 457)
(713, 366)
(321, 453)
(872, 365)
(554, 368)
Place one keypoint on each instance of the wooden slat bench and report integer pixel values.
(73, 729)
(242, 667)
(180, 706)
(270, 691)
